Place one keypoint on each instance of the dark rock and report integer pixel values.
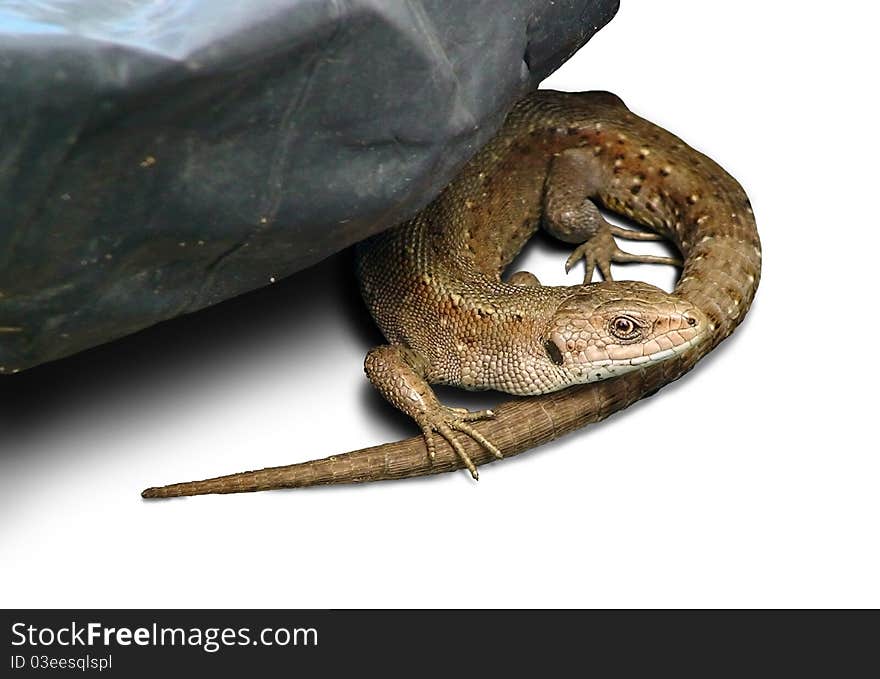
(159, 158)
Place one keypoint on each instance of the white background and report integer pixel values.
(770, 499)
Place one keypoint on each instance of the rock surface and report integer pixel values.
(156, 158)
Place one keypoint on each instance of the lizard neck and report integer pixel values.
(490, 330)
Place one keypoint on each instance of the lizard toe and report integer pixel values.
(449, 423)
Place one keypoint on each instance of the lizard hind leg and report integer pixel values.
(571, 216)
(398, 374)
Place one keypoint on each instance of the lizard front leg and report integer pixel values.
(398, 374)
(571, 216)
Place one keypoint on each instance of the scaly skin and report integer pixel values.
(434, 286)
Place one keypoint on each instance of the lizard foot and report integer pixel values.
(446, 421)
(601, 251)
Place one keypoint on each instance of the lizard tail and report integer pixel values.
(517, 426)
(354, 467)
(369, 464)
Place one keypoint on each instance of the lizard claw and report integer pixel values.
(446, 421)
(601, 251)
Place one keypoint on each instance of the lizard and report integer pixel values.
(435, 286)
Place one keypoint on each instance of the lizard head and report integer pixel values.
(614, 327)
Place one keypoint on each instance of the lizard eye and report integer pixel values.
(624, 327)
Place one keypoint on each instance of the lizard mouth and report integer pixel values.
(612, 367)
